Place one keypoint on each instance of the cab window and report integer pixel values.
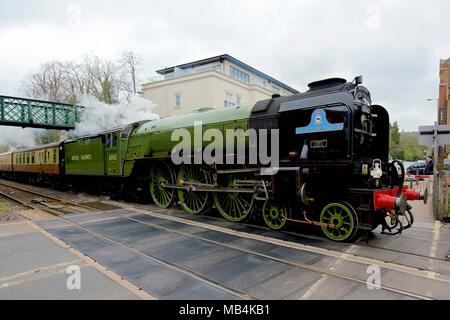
(126, 132)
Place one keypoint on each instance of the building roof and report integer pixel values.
(231, 59)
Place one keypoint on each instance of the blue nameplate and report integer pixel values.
(319, 123)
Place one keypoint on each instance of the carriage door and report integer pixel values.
(112, 154)
(123, 148)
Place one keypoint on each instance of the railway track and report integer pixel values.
(328, 244)
(344, 256)
(288, 262)
(407, 234)
(53, 205)
(287, 232)
(55, 212)
(323, 271)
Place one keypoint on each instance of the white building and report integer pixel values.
(217, 82)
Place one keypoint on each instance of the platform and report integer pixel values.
(32, 266)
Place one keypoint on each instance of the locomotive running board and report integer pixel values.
(238, 170)
(194, 188)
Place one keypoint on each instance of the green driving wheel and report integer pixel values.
(160, 175)
(233, 206)
(192, 201)
(274, 215)
(343, 216)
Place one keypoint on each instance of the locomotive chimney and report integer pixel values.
(327, 83)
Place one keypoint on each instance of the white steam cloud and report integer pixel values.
(14, 138)
(99, 116)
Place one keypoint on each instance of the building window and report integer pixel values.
(178, 100)
(228, 100)
(275, 89)
(209, 68)
(238, 100)
(441, 116)
(239, 75)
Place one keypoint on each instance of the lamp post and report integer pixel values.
(435, 172)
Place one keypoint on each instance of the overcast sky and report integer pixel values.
(395, 45)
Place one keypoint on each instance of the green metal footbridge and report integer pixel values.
(23, 112)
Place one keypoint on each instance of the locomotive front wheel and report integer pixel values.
(343, 216)
(274, 216)
(193, 202)
(233, 206)
(161, 174)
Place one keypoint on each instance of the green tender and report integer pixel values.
(85, 157)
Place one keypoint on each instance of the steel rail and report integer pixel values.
(172, 266)
(202, 225)
(63, 201)
(294, 264)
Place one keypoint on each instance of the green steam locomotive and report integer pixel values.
(328, 164)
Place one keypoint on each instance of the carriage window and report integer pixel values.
(28, 158)
(45, 157)
(126, 132)
(54, 156)
(109, 142)
(32, 157)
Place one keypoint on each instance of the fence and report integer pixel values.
(441, 208)
(440, 197)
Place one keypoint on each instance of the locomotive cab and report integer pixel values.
(334, 148)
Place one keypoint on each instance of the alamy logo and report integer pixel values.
(74, 280)
(73, 16)
(233, 146)
(374, 280)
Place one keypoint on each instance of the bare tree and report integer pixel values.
(47, 83)
(102, 78)
(75, 81)
(67, 82)
(129, 62)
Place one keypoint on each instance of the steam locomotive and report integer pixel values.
(332, 170)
